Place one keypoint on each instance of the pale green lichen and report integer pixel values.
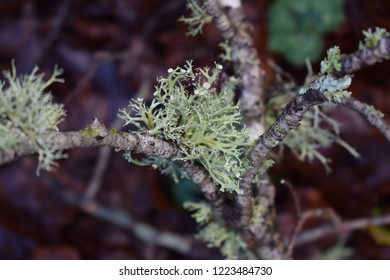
(227, 51)
(334, 89)
(332, 61)
(90, 132)
(373, 111)
(189, 111)
(112, 130)
(258, 212)
(202, 212)
(197, 19)
(214, 234)
(27, 113)
(371, 39)
(230, 242)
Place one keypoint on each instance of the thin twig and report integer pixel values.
(294, 196)
(105, 152)
(322, 231)
(373, 117)
(142, 231)
(100, 167)
(59, 20)
(290, 245)
(324, 213)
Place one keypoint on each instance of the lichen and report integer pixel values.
(197, 19)
(28, 113)
(332, 61)
(371, 39)
(258, 213)
(334, 89)
(113, 130)
(202, 212)
(191, 110)
(227, 51)
(228, 240)
(90, 132)
(373, 111)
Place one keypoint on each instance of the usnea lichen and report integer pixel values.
(27, 113)
(191, 112)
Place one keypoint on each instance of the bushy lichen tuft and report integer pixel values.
(332, 61)
(371, 39)
(375, 112)
(198, 18)
(202, 212)
(214, 234)
(27, 113)
(227, 51)
(228, 240)
(189, 111)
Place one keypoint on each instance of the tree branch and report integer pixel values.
(72, 139)
(365, 57)
(138, 143)
(325, 213)
(373, 116)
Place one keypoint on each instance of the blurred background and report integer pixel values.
(112, 51)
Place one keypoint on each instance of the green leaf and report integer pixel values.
(297, 27)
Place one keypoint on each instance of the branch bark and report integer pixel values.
(138, 143)
(120, 141)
